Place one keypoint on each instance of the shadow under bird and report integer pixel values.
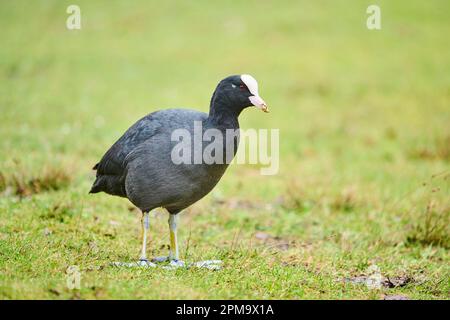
(140, 166)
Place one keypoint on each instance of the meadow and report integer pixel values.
(364, 179)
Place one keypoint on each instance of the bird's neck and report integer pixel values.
(222, 113)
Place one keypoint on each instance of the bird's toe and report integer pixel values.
(145, 263)
(174, 264)
(209, 264)
(177, 263)
(141, 263)
(160, 259)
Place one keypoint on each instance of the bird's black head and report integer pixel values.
(236, 93)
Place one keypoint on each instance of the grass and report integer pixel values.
(364, 175)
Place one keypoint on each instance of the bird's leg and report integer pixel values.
(145, 226)
(173, 253)
(143, 262)
(173, 257)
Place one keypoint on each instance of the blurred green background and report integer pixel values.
(364, 147)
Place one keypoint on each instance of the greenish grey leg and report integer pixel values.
(145, 225)
(143, 262)
(173, 253)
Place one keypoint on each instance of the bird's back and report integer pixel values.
(154, 178)
(112, 168)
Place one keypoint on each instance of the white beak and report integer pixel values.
(258, 102)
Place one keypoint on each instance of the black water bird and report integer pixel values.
(148, 166)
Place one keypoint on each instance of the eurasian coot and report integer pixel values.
(140, 166)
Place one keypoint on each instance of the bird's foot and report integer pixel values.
(160, 259)
(145, 263)
(142, 263)
(209, 264)
(174, 264)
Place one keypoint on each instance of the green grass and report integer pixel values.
(364, 147)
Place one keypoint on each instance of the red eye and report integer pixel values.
(241, 86)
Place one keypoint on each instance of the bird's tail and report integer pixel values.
(97, 186)
(110, 184)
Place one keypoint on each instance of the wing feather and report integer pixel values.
(112, 163)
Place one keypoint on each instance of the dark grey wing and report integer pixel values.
(111, 168)
(112, 163)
